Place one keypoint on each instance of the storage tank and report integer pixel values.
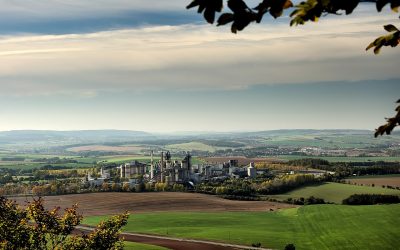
(251, 171)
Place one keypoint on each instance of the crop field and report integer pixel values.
(308, 227)
(376, 180)
(333, 192)
(113, 203)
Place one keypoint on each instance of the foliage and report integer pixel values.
(290, 247)
(393, 121)
(309, 162)
(241, 15)
(35, 227)
(371, 199)
(308, 201)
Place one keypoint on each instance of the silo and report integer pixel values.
(251, 171)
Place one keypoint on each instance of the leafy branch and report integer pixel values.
(391, 123)
(241, 15)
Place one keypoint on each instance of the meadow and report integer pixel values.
(308, 227)
(333, 192)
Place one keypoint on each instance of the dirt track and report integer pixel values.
(174, 243)
(113, 203)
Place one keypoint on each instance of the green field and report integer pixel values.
(140, 246)
(333, 192)
(308, 227)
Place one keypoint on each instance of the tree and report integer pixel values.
(309, 10)
(390, 124)
(34, 227)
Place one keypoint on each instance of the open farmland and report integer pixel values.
(131, 149)
(308, 227)
(376, 180)
(113, 203)
(241, 159)
(333, 192)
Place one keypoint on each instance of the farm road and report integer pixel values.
(175, 243)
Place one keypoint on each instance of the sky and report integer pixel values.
(155, 66)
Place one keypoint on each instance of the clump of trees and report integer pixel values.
(287, 183)
(305, 201)
(371, 199)
(35, 227)
(239, 188)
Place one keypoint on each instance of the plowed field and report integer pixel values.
(113, 203)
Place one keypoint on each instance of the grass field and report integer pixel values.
(140, 246)
(308, 227)
(333, 192)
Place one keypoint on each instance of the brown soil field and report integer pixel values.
(241, 159)
(114, 203)
(106, 148)
(378, 181)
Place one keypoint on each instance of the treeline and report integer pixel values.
(371, 199)
(305, 201)
(287, 183)
(345, 169)
(309, 162)
(249, 188)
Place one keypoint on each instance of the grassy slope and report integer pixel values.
(308, 227)
(334, 192)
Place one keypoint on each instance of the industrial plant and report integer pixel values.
(168, 171)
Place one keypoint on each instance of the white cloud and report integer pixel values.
(194, 57)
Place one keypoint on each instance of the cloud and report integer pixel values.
(193, 57)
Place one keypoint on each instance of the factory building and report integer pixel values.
(129, 170)
(171, 172)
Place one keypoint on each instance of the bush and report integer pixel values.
(290, 247)
(371, 199)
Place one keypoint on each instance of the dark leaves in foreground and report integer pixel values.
(392, 39)
(208, 6)
(309, 10)
(391, 123)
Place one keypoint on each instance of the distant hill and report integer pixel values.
(33, 136)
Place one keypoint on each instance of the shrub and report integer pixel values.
(371, 199)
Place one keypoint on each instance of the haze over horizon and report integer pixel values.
(133, 65)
